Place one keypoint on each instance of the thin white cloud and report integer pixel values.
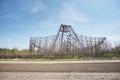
(6, 16)
(9, 40)
(94, 4)
(73, 14)
(38, 6)
(34, 7)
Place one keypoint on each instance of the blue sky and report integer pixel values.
(22, 19)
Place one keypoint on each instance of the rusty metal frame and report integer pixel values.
(66, 41)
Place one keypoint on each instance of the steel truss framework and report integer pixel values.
(65, 42)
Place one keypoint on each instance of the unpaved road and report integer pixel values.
(59, 66)
(58, 70)
(58, 76)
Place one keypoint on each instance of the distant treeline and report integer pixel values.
(101, 52)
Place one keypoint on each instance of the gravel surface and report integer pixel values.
(59, 66)
(58, 76)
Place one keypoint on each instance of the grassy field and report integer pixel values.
(71, 59)
(109, 56)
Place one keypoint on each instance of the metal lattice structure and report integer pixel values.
(65, 42)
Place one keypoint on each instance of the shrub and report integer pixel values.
(68, 56)
(49, 56)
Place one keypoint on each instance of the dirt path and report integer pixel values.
(59, 66)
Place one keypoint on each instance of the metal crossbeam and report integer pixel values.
(66, 41)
